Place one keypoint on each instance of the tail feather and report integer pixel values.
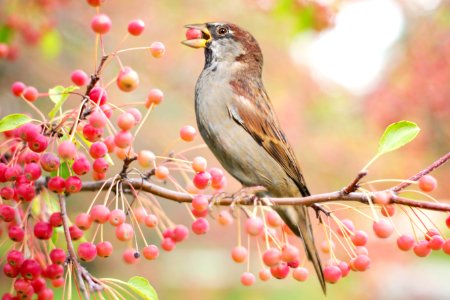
(298, 220)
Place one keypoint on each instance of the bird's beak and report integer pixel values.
(201, 42)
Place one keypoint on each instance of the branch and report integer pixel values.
(422, 173)
(81, 272)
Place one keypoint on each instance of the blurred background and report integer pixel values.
(337, 72)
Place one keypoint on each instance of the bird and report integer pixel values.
(237, 121)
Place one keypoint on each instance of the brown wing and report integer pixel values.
(257, 117)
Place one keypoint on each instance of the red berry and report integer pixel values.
(388, 210)
(43, 230)
(17, 88)
(193, 33)
(58, 256)
(201, 180)
(81, 166)
(427, 183)
(136, 27)
(131, 256)
(101, 24)
(79, 78)
(447, 221)
(104, 249)
(87, 251)
(39, 144)
(405, 242)
(75, 232)
(16, 233)
(7, 193)
(11, 271)
(361, 262)
(167, 244)
(98, 95)
(54, 271)
(57, 184)
(280, 270)
(95, 3)
(383, 228)
(30, 269)
(124, 232)
(83, 221)
(421, 249)
(436, 242)
(446, 246)
(38, 285)
(98, 149)
(359, 238)
(15, 258)
(180, 233)
(30, 93)
(7, 213)
(32, 171)
(100, 214)
(332, 274)
(73, 184)
(47, 293)
(55, 219)
(271, 257)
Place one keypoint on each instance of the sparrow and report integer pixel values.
(236, 120)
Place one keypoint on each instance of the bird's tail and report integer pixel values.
(300, 223)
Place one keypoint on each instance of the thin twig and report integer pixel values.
(353, 186)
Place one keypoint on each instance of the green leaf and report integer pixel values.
(6, 34)
(50, 44)
(63, 171)
(397, 135)
(59, 95)
(13, 121)
(142, 287)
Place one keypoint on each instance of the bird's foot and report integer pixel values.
(320, 209)
(247, 194)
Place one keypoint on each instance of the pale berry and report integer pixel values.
(117, 217)
(127, 80)
(254, 226)
(49, 162)
(107, 110)
(67, 150)
(136, 27)
(30, 94)
(124, 232)
(271, 257)
(427, 183)
(136, 114)
(430, 233)
(131, 256)
(151, 220)
(101, 24)
(17, 88)
(97, 119)
(361, 250)
(146, 158)
(109, 142)
(199, 164)
(162, 172)
(225, 218)
(79, 78)
(154, 97)
(100, 214)
(247, 278)
(345, 268)
(157, 49)
(126, 121)
(150, 252)
(123, 139)
(383, 228)
(300, 274)
(188, 133)
(421, 249)
(200, 226)
(332, 274)
(104, 249)
(264, 274)
(239, 254)
(200, 203)
(218, 180)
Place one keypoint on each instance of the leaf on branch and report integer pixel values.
(397, 135)
(13, 121)
(50, 44)
(142, 287)
(59, 95)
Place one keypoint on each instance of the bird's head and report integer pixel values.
(226, 42)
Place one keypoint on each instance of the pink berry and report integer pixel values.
(383, 228)
(430, 233)
(117, 217)
(332, 274)
(168, 244)
(87, 251)
(247, 279)
(126, 121)
(100, 214)
(124, 232)
(151, 220)
(17, 88)
(254, 226)
(91, 133)
(79, 78)
(101, 24)
(157, 49)
(150, 252)
(382, 197)
(83, 221)
(446, 247)
(345, 268)
(271, 257)
(188, 133)
(239, 254)
(180, 233)
(347, 228)
(127, 80)
(98, 95)
(123, 139)
(200, 203)
(97, 119)
(32, 171)
(131, 256)
(193, 33)
(421, 249)
(100, 165)
(30, 93)
(200, 226)
(359, 238)
(75, 233)
(201, 180)
(388, 210)
(264, 274)
(280, 270)
(154, 97)
(436, 242)
(136, 27)
(447, 221)
(98, 149)
(67, 150)
(361, 262)
(427, 183)
(104, 249)
(289, 253)
(300, 274)
(136, 114)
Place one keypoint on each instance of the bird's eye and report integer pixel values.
(222, 30)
